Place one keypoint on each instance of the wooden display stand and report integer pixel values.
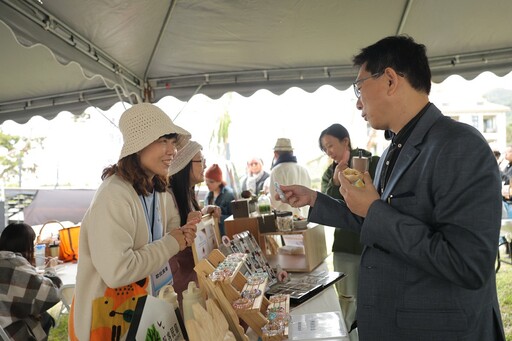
(313, 238)
(251, 224)
(315, 250)
(229, 290)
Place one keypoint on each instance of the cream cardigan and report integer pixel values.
(114, 247)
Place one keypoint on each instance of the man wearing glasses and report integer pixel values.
(430, 219)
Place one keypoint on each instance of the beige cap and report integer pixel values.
(143, 124)
(283, 145)
(184, 156)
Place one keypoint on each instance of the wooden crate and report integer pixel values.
(315, 250)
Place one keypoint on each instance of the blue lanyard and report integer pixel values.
(146, 210)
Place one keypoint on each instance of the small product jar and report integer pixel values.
(263, 204)
(284, 220)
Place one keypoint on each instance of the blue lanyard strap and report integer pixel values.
(151, 221)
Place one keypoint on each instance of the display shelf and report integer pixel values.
(315, 250)
(227, 291)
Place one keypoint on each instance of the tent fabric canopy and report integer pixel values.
(70, 54)
(58, 204)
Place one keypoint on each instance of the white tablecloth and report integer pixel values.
(67, 272)
(325, 301)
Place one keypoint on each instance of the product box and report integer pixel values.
(240, 208)
(312, 239)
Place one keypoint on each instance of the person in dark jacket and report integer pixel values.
(429, 220)
(219, 194)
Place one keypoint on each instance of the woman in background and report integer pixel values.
(219, 194)
(186, 171)
(25, 294)
(335, 142)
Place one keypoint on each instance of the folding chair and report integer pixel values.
(66, 296)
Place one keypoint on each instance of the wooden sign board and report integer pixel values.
(207, 238)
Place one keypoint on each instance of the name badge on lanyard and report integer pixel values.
(163, 276)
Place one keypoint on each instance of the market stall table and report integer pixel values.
(67, 272)
(325, 301)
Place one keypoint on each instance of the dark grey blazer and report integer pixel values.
(427, 270)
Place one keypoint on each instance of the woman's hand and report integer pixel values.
(340, 167)
(180, 238)
(213, 210)
(194, 215)
(186, 234)
(190, 229)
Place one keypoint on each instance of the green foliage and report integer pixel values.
(13, 150)
(504, 285)
(221, 135)
(60, 332)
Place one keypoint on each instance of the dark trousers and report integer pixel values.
(47, 322)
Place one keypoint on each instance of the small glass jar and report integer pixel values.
(273, 328)
(284, 220)
(263, 204)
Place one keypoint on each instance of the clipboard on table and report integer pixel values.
(207, 238)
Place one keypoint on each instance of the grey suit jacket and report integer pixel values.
(427, 270)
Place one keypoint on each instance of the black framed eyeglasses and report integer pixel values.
(357, 90)
(203, 161)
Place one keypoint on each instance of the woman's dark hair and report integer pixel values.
(402, 54)
(336, 130)
(19, 237)
(130, 169)
(183, 191)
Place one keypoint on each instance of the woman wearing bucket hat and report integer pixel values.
(127, 235)
(186, 171)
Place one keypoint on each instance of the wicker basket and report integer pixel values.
(48, 240)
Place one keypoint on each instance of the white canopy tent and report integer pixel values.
(70, 54)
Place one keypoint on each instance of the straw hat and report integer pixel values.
(283, 145)
(184, 156)
(143, 124)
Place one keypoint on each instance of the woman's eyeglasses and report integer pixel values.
(203, 161)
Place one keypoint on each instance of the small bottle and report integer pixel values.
(168, 294)
(263, 204)
(190, 296)
(284, 220)
(40, 255)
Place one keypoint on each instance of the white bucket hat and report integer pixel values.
(283, 145)
(143, 124)
(184, 156)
